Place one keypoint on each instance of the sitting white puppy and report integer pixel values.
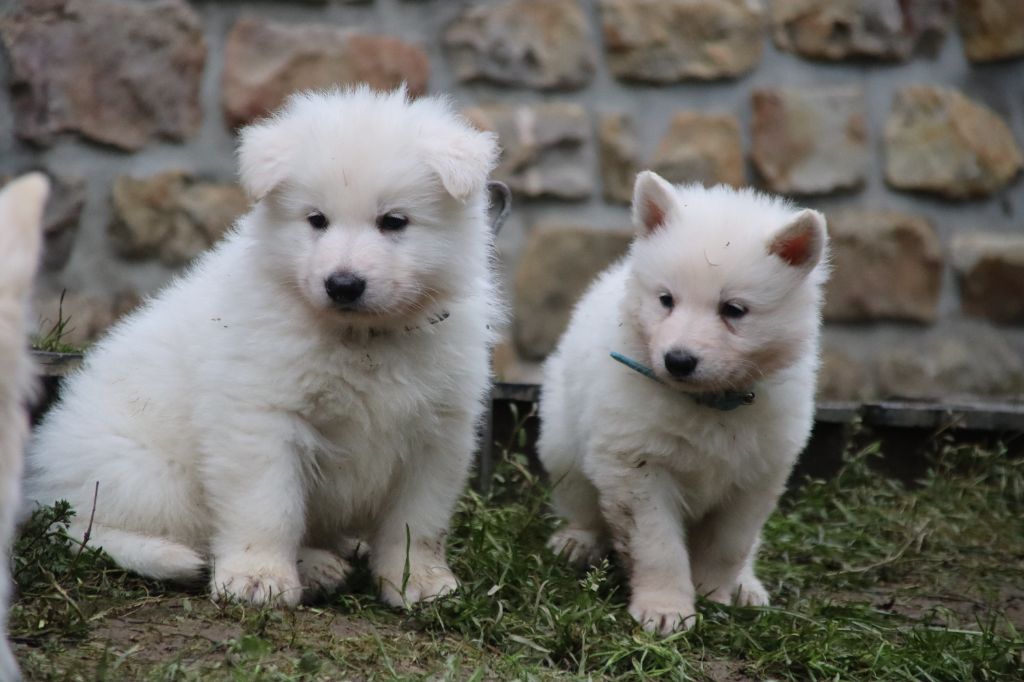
(318, 376)
(678, 446)
(21, 213)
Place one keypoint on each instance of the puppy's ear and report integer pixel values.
(262, 155)
(801, 242)
(21, 215)
(654, 199)
(462, 158)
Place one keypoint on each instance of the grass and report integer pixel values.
(870, 580)
(52, 340)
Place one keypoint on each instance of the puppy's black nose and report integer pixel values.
(344, 287)
(680, 364)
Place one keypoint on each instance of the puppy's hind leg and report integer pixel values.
(321, 572)
(153, 557)
(583, 540)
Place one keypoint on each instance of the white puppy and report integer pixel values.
(719, 297)
(21, 212)
(318, 376)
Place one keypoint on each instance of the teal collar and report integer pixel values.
(725, 401)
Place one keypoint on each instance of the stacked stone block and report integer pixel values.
(901, 119)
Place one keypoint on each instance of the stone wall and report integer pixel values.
(901, 119)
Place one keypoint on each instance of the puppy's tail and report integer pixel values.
(146, 555)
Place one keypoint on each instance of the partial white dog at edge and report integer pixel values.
(720, 295)
(317, 377)
(21, 212)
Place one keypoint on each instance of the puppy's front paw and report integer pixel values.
(321, 572)
(256, 582)
(426, 581)
(662, 612)
(579, 547)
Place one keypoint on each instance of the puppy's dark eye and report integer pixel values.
(667, 300)
(391, 222)
(732, 310)
(317, 220)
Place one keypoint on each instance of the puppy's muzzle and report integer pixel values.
(344, 288)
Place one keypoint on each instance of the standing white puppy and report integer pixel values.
(662, 451)
(318, 376)
(21, 213)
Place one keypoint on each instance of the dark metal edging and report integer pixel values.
(980, 416)
(973, 416)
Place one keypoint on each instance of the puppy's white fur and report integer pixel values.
(21, 211)
(682, 490)
(242, 420)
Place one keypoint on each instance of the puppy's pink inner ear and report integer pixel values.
(653, 214)
(800, 243)
(653, 201)
(795, 249)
